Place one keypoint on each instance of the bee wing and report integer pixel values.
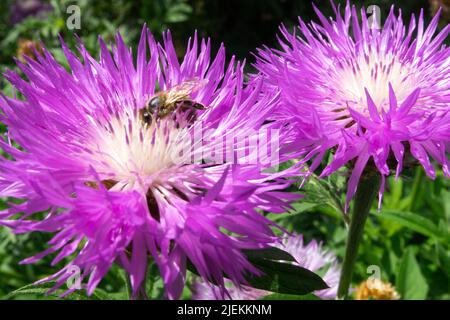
(184, 89)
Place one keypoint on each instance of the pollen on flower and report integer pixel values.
(129, 151)
(372, 72)
(375, 289)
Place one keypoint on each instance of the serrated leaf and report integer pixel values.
(42, 290)
(38, 290)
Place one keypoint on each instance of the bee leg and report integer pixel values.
(191, 116)
(145, 116)
(152, 205)
(184, 106)
(164, 111)
(176, 119)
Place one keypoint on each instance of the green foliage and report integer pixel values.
(417, 223)
(285, 278)
(410, 233)
(411, 284)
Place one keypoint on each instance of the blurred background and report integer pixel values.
(408, 240)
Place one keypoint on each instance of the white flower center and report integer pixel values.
(128, 150)
(373, 73)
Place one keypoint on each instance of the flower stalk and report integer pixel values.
(365, 196)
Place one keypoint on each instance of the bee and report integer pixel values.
(172, 102)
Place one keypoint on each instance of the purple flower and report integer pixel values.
(373, 95)
(102, 171)
(24, 8)
(310, 256)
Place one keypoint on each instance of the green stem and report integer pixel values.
(415, 190)
(139, 296)
(365, 195)
(128, 287)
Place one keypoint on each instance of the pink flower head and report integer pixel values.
(371, 94)
(108, 180)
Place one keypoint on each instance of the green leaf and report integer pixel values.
(414, 222)
(41, 290)
(126, 280)
(178, 13)
(297, 208)
(285, 278)
(102, 295)
(271, 253)
(36, 291)
(281, 277)
(303, 206)
(411, 284)
(278, 277)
